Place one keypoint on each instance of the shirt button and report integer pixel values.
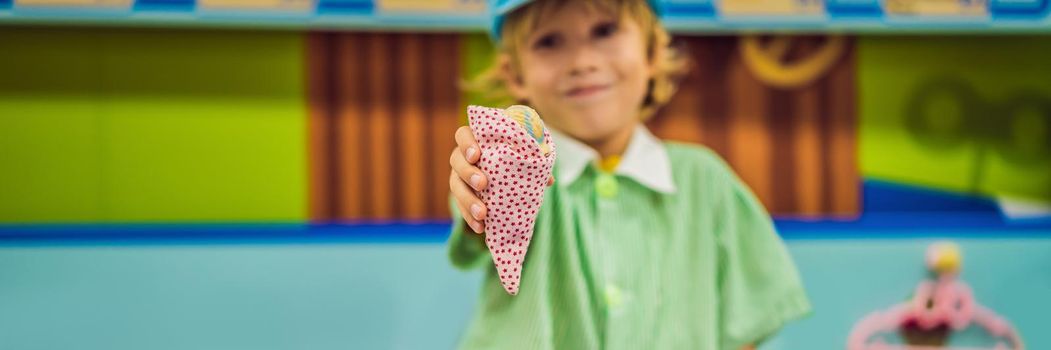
(614, 297)
(606, 185)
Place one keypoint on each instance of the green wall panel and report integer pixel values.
(101, 125)
(960, 113)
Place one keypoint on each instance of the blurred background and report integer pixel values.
(254, 174)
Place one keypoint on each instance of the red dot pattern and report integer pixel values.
(518, 172)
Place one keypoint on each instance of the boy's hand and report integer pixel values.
(465, 180)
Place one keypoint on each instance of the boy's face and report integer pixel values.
(585, 72)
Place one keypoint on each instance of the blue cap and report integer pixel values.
(499, 9)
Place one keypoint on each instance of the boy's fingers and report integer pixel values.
(467, 145)
(474, 225)
(467, 173)
(471, 208)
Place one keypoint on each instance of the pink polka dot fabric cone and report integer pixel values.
(517, 157)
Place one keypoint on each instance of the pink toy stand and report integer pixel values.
(945, 302)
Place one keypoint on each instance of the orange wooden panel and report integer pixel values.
(750, 140)
(807, 136)
(710, 61)
(843, 153)
(379, 129)
(350, 126)
(412, 127)
(319, 114)
(393, 103)
(679, 120)
(447, 111)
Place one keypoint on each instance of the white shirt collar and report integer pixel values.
(645, 161)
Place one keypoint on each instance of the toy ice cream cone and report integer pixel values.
(517, 156)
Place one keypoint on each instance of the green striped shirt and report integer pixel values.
(620, 261)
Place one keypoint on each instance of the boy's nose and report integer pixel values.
(584, 61)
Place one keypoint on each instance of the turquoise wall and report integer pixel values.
(406, 296)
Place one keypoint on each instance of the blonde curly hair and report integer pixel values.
(670, 63)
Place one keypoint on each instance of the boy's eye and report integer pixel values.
(604, 29)
(547, 41)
